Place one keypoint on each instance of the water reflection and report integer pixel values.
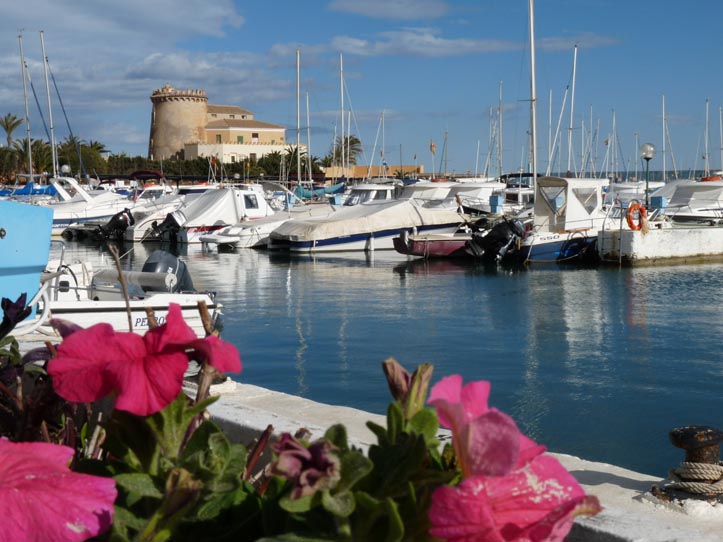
(599, 363)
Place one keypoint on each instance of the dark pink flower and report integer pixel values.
(535, 503)
(511, 490)
(146, 372)
(42, 499)
(486, 441)
(307, 468)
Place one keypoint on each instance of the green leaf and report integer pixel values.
(124, 518)
(291, 537)
(425, 422)
(336, 434)
(340, 504)
(140, 484)
(376, 520)
(395, 421)
(380, 432)
(354, 466)
(300, 505)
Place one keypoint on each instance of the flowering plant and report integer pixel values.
(104, 436)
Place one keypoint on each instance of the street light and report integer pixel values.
(647, 153)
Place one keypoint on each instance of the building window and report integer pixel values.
(239, 139)
(273, 142)
(213, 115)
(252, 157)
(218, 139)
(232, 116)
(233, 158)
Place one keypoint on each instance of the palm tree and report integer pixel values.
(352, 148)
(98, 146)
(10, 123)
(42, 155)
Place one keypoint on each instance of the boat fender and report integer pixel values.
(642, 214)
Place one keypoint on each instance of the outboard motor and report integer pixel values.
(498, 242)
(117, 225)
(161, 261)
(168, 230)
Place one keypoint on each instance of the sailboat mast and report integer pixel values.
(54, 153)
(665, 167)
(23, 68)
(533, 94)
(308, 140)
(706, 167)
(499, 134)
(341, 90)
(720, 130)
(572, 112)
(298, 122)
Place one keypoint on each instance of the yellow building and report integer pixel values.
(184, 124)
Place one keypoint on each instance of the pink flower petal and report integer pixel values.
(474, 398)
(43, 500)
(220, 354)
(528, 495)
(446, 397)
(463, 513)
(175, 332)
(489, 446)
(78, 370)
(147, 384)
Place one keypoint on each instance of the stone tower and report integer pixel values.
(178, 117)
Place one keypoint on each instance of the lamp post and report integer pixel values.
(647, 153)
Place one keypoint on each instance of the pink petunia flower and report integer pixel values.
(486, 441)
(535, 503)
(146, 372)
(511, 490)
(42, 499)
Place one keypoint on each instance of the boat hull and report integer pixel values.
(88, 313)
(365, 241)
(558, 248)
(23, 261)
(433, 246)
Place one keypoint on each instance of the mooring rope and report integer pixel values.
(698, 478)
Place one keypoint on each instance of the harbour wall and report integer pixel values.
(661, 246)
(630, 512)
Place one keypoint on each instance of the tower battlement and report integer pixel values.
(168, 94)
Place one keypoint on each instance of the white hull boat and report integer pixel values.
(83, 296)
(366, 227)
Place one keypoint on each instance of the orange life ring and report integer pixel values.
(642, 214)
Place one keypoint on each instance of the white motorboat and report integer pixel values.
(78, 293)
(208, 212)
(75, 205)
(368, 227)
(692, 202)
(255, 233)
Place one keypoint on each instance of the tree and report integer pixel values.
(352, 149)
(98, 146)
(41, 153)
(10, 123)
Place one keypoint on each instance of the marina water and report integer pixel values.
(598, 363)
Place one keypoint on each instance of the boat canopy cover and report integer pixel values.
(367, 217)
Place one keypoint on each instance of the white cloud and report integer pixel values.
(424, 42)
(405, 10)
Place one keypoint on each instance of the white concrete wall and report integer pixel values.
(662, 245)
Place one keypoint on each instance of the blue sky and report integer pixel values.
(432, 66)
